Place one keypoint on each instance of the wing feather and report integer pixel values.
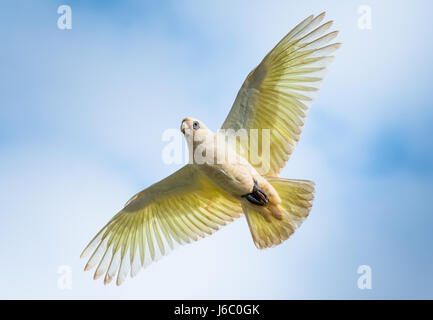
(278, 92)
(184, 207)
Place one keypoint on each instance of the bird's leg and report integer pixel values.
(257, 196)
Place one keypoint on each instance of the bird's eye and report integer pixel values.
(195, 125)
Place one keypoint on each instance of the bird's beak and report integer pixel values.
(186, 124)
(183, 127)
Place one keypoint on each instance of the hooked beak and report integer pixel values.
(186, 124)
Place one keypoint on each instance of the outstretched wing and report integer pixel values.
(180, 208)
(279, 91)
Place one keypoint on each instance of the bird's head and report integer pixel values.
(193, 127)
(196, 134)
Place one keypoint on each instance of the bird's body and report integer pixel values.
(222, 183)
(235, 178)
(229, 170)
(226, 168)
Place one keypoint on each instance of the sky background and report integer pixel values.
(82, 113)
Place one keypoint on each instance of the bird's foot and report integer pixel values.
(257, 196)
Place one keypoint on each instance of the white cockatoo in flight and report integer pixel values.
(200, 198)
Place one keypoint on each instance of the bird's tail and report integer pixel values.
(296, 198)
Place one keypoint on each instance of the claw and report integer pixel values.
(253, 200)
(257, 197)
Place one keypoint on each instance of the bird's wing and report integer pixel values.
(180, 208)
(279, 91)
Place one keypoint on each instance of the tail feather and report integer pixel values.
(296, 201)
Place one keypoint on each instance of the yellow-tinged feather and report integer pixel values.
(295, 207)
(281, 88)
(183, 207)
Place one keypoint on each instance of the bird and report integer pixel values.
(201, 197)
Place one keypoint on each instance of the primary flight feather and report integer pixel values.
(201, 197)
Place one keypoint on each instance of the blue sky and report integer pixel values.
(83, 112)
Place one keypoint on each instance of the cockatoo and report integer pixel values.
(198, 199)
